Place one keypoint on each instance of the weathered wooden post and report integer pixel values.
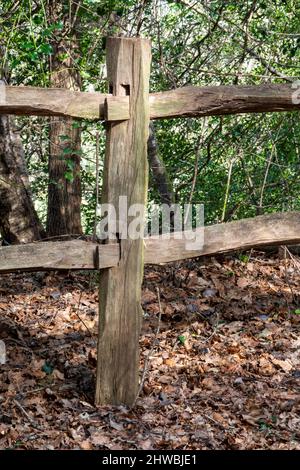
(125, 174)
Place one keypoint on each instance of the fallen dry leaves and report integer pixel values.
(225, 373)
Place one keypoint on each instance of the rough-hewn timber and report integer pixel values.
(46, 256)
(221, 100)
(125, 174)
(264, 230)
(181, 102)
(59, 102)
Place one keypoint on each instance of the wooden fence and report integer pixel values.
(264, 230)
(128, 110)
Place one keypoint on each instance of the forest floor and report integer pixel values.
(223, 373)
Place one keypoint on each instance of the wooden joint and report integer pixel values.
(97, 255)
(116, 108)
(107, 256)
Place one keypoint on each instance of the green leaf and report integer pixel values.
(297, 312)
(37, 19)
(68, 151)
(181, 339)
(46, 49)
(76, 124)
(70, 164)
(33, 55)
(59, 25)
(69, 176)
(27, 46)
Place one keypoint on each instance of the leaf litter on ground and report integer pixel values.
(224, 372)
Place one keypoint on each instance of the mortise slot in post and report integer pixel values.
(127, 89)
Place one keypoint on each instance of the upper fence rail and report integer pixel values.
(181, 102)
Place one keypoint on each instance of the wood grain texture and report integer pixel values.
(187, 101)
(261, 231)
(46, 256)
(221, 100)
(112, 107)
(59, 102)
(264, 230)
(125, 174)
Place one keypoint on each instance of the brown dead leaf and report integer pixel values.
(148, 297)
(145, 445)
(243, 282)
(86, 445)
(265, 366)
(283, 364)
(58, 375)
(170, 362)
(165, 379)
(220, 419)
(98, 438)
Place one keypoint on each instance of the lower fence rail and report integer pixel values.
(261, 231)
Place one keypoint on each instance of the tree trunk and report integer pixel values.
(158, 169)
(19, 222)
(64, 192)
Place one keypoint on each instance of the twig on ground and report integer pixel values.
(32, 422)
(215, 327)
(285, 250)
(296, 262)
(78, 316)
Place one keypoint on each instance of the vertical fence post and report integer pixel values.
(125, 174)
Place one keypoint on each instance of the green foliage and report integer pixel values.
(204, 44)
(182, 339)
(244, 258)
